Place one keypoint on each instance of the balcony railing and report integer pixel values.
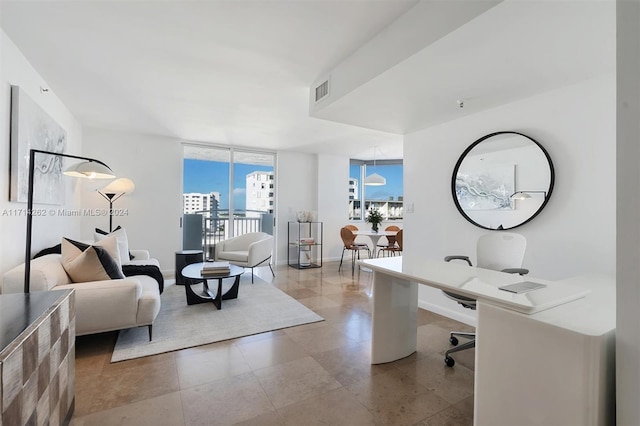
(216, 226)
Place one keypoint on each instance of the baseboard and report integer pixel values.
(449, 313)
(324, 260)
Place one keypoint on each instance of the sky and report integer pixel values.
(393, 175)
(213, 176)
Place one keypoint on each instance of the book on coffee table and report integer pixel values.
(215, 268)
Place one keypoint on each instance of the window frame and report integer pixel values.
(359, 195)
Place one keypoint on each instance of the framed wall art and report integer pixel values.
(33, 128)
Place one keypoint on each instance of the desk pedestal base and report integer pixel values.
(395, 318)
(529, 373)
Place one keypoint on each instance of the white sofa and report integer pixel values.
(100, 305)
(247, 250)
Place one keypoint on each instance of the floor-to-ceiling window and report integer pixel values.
(226, 192)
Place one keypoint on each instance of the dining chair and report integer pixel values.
(348, 241)
(391, 239)
(499, 251)
(354, 229)
(394, 248)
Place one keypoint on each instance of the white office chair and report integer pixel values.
(499, 251)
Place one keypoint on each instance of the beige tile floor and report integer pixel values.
(315, 374)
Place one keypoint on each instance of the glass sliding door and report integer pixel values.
(254, 191)
(226, 193)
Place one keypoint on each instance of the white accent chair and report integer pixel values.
(247, 250)
(499, 251)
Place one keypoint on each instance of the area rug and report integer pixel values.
(260, 307)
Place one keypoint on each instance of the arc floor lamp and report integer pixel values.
(90, 168)
(115, 190)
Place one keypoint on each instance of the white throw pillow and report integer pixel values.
(123, 243)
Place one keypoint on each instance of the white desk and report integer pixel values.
(542, 358)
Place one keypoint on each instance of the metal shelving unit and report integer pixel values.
(305, 244)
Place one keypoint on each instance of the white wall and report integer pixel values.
(154, 209)
(575, 233)
(296, 189)
(47, 231)
(333, 201)
(628, 219)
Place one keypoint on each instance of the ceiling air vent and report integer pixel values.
(322, 90)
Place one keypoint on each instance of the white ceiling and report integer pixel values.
(239, 72)
(514, 50)
(228, 72)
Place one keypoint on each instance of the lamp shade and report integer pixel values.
(375, 179)
(119, 186)
(90, 170)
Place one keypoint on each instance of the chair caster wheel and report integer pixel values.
(453, 340)
(450, 362)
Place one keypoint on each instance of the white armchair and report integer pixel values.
(248, 250)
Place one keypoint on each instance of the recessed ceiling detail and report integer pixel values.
(510, 51)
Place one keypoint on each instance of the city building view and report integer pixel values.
(207, 215)
(196, 202)
(260, 194)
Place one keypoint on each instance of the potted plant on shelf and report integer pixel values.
(374, 217)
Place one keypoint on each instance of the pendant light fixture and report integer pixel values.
(375, 179)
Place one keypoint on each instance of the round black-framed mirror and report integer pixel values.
(502, 180)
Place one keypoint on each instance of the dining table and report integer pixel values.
(374, 236)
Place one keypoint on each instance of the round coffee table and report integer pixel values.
(193, 275)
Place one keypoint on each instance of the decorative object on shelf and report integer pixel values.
(33, 128)
(375, 179)
(115, 190)
(306, 216)
(374, 217)
(90, 169)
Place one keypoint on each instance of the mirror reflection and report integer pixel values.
(502, 180)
